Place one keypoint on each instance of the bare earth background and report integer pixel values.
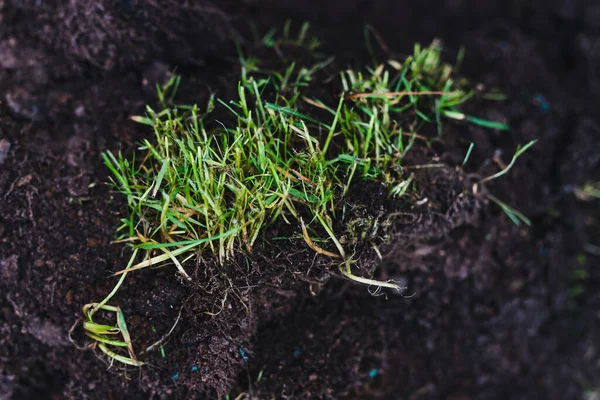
(501, 312)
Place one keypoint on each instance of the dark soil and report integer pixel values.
(499, 311)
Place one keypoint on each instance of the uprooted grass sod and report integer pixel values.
(195, 191)
(205, 189)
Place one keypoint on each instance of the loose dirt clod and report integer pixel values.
(111, 34)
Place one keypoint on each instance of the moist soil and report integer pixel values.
(499, 311)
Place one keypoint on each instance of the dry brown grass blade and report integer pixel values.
(313, 246)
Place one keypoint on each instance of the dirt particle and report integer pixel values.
(69, 297)
(79, 111)
(9, 269)
(23, 104)
(7, 383)
(157, 73)
(4, 149)
(24, 180)
(520, 318)
(78, 186)
(459, 397)
(7, 56)
(46, 332)
(516, 285)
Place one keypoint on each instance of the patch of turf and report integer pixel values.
(214, 177)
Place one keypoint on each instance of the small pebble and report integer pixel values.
(542, 102)
(80, 111)
(8, 60)
(156, 73)
(23, 104)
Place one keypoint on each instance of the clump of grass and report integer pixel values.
(204, 189)
(198, 192)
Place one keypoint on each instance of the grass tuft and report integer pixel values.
(200, 191)
(206, 188)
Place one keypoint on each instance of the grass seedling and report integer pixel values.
(514, 215)
(466, 159)
(301, 39)
(520, 150)
(105, 337)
